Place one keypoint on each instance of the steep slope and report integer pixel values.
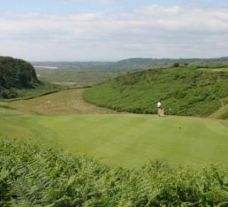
(183, 91)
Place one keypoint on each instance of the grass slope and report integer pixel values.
(63, 102)
(183, 91)
(125, 139)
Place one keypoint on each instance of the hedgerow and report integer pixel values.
(34, 175)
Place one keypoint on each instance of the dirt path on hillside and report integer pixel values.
(221, 113)
(60, 103)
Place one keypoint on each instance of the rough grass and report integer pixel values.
(125, 139)
(222, 113)
(63, 102)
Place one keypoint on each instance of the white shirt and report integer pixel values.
(159, 104)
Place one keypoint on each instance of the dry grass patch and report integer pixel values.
(63, 102)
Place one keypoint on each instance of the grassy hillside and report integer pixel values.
(63, 102)
(34, 172)
(37, 175)
(15, 74)
(183, 91)
(125, 139)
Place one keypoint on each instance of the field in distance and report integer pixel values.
(74, 77)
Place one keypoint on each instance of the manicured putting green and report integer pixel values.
(125, 139)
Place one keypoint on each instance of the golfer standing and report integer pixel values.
(159, 108)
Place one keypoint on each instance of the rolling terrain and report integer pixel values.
(127, 140)
(185, 91)
(63, 102)
(59, 150)
(81, 74)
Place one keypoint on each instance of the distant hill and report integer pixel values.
(16, 74)
(137, 64)
(183, 90)
(133, 64)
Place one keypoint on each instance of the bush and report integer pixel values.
(9, 93)
(175, 65)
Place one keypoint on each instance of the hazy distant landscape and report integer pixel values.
(90, 73)
(131, 65)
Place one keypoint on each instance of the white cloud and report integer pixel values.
(152, 31)
(87, 1)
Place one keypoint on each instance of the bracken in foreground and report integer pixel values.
(32, 175)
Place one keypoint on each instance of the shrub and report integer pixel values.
(175, 65)
(9, 93)
(36, 175)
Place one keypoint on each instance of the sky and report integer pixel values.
(109, 30)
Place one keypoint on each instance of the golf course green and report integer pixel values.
(126, 140)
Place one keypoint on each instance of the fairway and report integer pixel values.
(125, 139)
